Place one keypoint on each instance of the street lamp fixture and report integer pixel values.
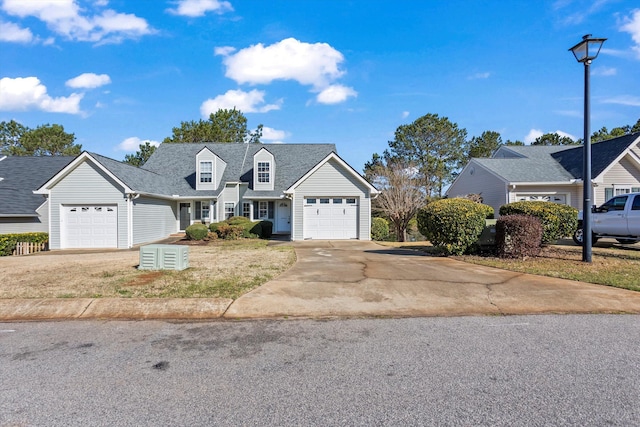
(585, 52)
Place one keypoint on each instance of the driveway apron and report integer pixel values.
(353, 278)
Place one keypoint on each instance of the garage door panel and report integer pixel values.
(330, 218)
(89, 227)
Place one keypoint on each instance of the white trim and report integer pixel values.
(84, 156)
(334, 156)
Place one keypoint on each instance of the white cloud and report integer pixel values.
(27, 93)
(568, 135)
(308, 64)
(10, 32)
(532, 135)
(247, 102)
(224, 50)
(632, 26)
(88, 81)
(64, 18)
(605, 71)
(629, 100)
(335, 94)
(273, 136)
(133, 144)
(194, 8)
(405, 114)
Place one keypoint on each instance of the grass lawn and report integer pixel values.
(224, 269)
(613, 264)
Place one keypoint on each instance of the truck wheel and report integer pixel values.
(577, 237)
(626, 241)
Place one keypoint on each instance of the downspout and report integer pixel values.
(130, 198)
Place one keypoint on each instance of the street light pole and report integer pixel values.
(586, 51)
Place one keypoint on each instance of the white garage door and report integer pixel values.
(555, 198)
(89, 226)
(330, 218)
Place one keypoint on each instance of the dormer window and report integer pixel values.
(264, 172)
(206, 171)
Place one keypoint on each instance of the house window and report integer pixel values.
(229, 210)
(206, 171)
(264, 172)
(246, 210)
(262, 210)
(202, 211)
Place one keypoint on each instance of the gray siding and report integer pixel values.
(492, 189)
(332, 180)
(22, 225)
(87, 184)
(153, 219)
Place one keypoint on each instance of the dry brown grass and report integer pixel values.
(220, 269)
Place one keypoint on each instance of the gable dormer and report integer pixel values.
(209, 169)
(264, 170)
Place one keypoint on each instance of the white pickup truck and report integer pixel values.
(618, 218)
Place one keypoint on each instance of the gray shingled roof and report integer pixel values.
(178, 161)
(21, 175)
(556, 163)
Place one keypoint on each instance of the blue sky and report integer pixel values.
(118, 72)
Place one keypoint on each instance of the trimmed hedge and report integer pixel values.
(8, 242)
(196, 231)
(379, 229)
(238, 227)
(557, 220)
(518, 236)
(452, 224)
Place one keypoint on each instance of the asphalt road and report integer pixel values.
(499, 371)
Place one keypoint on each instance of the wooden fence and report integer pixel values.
(26, 248)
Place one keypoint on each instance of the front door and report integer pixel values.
(283, 217)
(185, 215)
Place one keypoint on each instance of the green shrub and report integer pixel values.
(518, 236)
(379, 229)
(237, 220)
(452, 224)
(267, 229)
(213, 227)
(557, 220)
(196, 231)
(8, 242)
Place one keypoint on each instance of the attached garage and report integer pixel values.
(89, 226)
(330, 218)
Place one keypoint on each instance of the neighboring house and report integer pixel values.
(22, 211)
(552, 173)
(306, 190)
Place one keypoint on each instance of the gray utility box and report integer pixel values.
(164, 257)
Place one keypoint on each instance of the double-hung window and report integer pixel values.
(229, 210)
(202, 211)
(206, 171)
(264, 172)
(246, 210)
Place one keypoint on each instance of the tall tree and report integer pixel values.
(10, 134)
(484, 145)
(141, 156)
(436, 146)
(516, 142)
(553, 139)
(222, 126)
(401, 193)
(45, 140)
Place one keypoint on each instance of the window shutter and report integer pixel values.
(198, 210)
(271, 209)
(255, 210)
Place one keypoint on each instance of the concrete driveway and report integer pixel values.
(353, 278)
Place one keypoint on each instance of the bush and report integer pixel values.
(267, 229)
(196, 231)
(452, 224)
(238, 220)
(518, 236)
(230, 232)
(8, 242)
(379, 229)
(557, 220)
